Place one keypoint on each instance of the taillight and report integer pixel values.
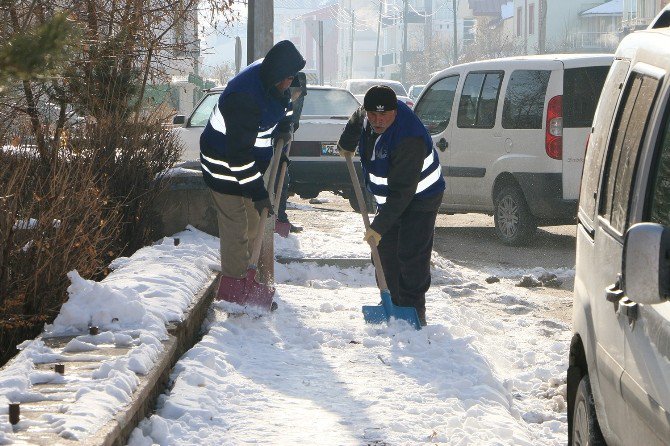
(553, 142)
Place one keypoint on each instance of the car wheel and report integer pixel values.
(370, 203)
(515, 225)
(585, 428)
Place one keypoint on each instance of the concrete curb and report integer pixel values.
(182, 337)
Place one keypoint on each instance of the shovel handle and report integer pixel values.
(258, 242)
(376, 260)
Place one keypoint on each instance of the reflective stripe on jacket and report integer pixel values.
(233, 161)
(376, 164)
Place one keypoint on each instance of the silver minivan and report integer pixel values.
(618, 380)
(515, 146)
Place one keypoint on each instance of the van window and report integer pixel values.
(201, 114)
(434, 109)
(524, 99)
(598, 139)
(660, 190)
(627, 136)
(581, 90)
(479, 100)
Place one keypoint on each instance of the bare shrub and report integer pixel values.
(54, 219)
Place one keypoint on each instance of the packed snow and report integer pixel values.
(486, 369)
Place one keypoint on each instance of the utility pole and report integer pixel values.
(428, 30)
(379, 29)
(238, 54)
(260, 28)
(260, 38)
(351, 57)
(525, 27)
(453, 7)
(320, 52)
(404, 43)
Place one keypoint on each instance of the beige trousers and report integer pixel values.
(238, 227)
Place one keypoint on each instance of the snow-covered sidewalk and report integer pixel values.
(485, 370)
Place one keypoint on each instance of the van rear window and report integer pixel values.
(524, 99)
(581, 91)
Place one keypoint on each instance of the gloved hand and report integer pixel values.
(372, 235)
(344, 152)
(284, 159)
(264, 204)
(286, 137)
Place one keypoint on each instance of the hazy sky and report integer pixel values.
(218, 46)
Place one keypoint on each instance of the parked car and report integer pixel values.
(315, 163)
(358, 87)
(618, 380)
(516, 147)
(414, 91)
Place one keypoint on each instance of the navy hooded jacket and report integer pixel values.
(235, 147)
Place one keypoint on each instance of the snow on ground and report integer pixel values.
(485, 370)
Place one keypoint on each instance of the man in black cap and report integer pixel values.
(235, 150)
(402, 171)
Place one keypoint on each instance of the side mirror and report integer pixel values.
(179, 120)
(646, 263)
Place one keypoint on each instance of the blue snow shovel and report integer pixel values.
(378, 314)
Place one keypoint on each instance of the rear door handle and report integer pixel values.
(614, 293)
(629, 309)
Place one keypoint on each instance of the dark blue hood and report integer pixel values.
(283, 60)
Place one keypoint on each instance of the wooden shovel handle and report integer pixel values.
(381, 279)
(258, 242)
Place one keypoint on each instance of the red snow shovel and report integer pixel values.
(378, 314)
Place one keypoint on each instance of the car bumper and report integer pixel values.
(311, 175)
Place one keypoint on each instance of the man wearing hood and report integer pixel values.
(235, 150)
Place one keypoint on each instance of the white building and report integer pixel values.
(637, 14)
(545, 26)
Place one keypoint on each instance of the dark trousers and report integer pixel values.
(281, 212)
(405, 254)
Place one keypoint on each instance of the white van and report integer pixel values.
(618, 381)
(516, 146)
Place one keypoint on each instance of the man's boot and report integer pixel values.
(422, 316)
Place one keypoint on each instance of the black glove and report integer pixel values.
(264, 204)
(284, 159)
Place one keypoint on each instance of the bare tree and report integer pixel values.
(489, 43)
(222, 73)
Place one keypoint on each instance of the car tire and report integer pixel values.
(585, 427)
(370, 203)
(514, 223)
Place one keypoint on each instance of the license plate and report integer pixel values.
(329, 149)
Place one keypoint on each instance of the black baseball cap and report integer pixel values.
(380, 98)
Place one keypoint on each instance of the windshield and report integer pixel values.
(329, 103)
(361, 87)
(201, 114)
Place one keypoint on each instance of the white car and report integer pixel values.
(315, 163)
(618, 380)
(515, 147)
(358, 87)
